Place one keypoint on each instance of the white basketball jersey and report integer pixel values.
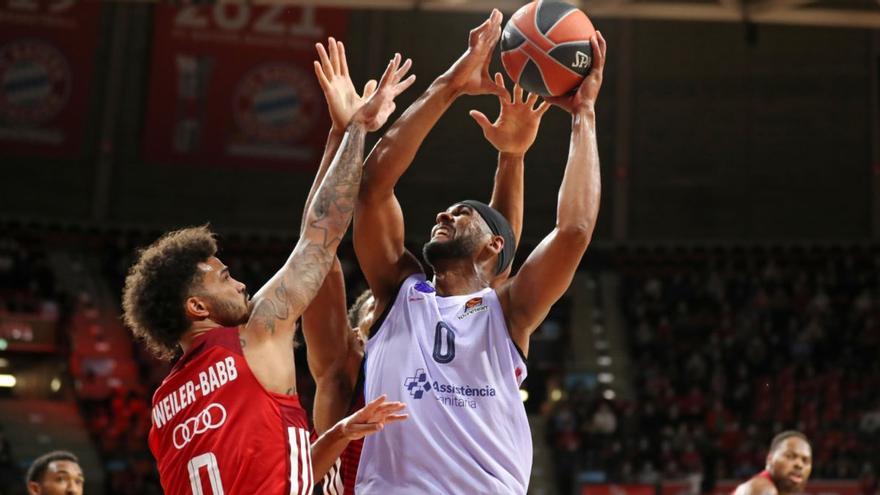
(453, 363)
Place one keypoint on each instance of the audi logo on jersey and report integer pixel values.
(211, 418)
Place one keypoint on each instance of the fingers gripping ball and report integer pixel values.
(546, 48)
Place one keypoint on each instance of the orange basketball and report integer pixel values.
(546, 48)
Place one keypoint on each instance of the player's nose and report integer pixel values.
(444, 217)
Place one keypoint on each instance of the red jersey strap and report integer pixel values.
(225, 337)
(764, 474)
(229, 339)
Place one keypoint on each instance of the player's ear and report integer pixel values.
(195, 308)
(33, 488)
(496, 244)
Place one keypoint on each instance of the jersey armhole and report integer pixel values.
(519, 351)
(358, 387)
(377, 323)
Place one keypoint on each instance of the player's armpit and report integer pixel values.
(379, 246)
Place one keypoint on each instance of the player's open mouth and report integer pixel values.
(441, 231)
(796, 479)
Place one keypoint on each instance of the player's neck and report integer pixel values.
(457, 278)
(197, 328)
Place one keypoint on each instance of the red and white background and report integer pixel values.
(47, 51)
(233, 84)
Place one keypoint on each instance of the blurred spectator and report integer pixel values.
(55, 473)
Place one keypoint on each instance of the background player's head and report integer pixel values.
(361, 316)
(176, 281)
(790, 461)
(471, 230)
(55, 473)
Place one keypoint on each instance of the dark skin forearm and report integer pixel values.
(579, 195)
(394, 153)
(507, 198)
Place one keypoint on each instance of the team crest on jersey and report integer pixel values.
(34, 82)
(424, 287)
(277, 103)
(417, 385)
(472, 307)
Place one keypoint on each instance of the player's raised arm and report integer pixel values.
(512, 134)
(331, 70)
(284, 298)
(378, 229)
(324, 322)
(548, 271)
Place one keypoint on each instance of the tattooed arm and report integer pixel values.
(268, 334)
(325, 326)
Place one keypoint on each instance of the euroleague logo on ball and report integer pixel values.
(546, 47)
(34, 82)
(276, 103)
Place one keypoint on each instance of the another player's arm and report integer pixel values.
(757, 486)
(378, 224)
(324, 322)
(512, 134)
(370, 419)
(549, 269)
(284, 298)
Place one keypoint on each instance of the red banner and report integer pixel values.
(46, 63)
(233, 84)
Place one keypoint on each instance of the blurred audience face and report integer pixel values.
(790, 465)
(60, 478)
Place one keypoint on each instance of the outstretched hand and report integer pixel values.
(470, 73)
(380, 105)
(586, 94)
(372, 418)
(516, 127)
(342, 98)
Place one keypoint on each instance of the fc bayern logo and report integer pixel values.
(276, 103)
(34, 82)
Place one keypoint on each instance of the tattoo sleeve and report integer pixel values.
(327, 219)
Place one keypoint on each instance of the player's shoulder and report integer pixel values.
(218, 343)
(758, 485)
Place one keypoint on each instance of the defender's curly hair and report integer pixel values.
(159, 282)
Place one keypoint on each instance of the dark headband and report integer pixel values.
(499, 226)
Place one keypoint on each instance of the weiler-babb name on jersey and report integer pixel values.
(212, 378)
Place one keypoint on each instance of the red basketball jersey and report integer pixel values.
(216, 430)
(341, 477)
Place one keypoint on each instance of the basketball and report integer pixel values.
(546, 48)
